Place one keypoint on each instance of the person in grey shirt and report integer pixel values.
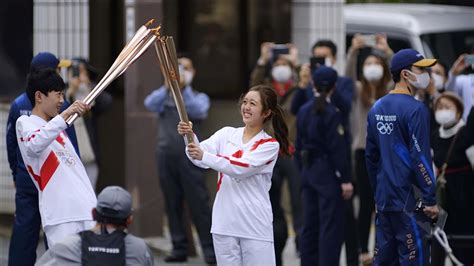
(108, 243)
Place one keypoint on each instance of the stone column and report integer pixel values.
(141, 177)
(319, 19)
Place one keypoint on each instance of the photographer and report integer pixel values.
(282, 60)
(108, 243)
(324, 53)
(373, 81)
(82, 78)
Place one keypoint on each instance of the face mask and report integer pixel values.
(422, 80)
(188, 77)
(281, 73)
(373, 72)
(445, 117)
(328, 62)
(438, 81)
(82, 91)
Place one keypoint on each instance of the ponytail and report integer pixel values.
(320, 103)
(270, 102)
(280, 129)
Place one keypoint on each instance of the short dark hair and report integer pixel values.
(43, 80)
(100, 218)
(396, 76)
(326, 43)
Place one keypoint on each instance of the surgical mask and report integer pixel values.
(373, 72)
(328, 62)
(82, 91)
(281, 73)
(445, 117)
(188, 77)
(438, 81)
(422, 80)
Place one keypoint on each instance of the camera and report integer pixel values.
(75, 70)
(316, 62)
(279, 49)
(369, 40)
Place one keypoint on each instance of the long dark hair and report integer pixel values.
(321, 101)
(368, 98)
(270, 102)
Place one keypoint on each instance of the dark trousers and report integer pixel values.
(285, 168)
(323, 222)
(350, 235)
(399, 240)
(181, 180)
(366, 197)
(27, 224)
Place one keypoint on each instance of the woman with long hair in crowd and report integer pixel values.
(244, 157)
(372, 83)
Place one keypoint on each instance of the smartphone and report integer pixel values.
(279, 49)
(75, 70)
(316, 62)
(369, 40)
(469, 59)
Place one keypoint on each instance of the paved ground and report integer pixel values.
(160, 247)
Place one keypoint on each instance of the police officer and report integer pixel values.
(321, 154)
(27, 223)
(398, 157)
(108, 243)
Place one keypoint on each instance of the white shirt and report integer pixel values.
(463, 85)
(64, 191)
(242, 206)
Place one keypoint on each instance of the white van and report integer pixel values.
(438, 31)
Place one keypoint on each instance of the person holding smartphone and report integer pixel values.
(82, 77)
(462, 84)
(325, 51)
(281, 60)
(372, 81)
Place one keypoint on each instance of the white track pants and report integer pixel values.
(236, 251)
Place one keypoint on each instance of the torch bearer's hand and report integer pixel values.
(185, 128)
(195, 151)
(78, 107)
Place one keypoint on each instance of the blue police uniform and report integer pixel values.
(398, 155)
(398, 159)
(27, 224)
(321, 154)
(342, 99)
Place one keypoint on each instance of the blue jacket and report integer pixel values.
(160, 101)
(22, 106)
(323, 136)
(398, 152)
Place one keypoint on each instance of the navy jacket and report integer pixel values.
(22, 106)
(323, 136)
(398, 152)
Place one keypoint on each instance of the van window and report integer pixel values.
(447, 46)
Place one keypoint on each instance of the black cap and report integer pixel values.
(324, 77)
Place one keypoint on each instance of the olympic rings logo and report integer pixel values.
(385, 128)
